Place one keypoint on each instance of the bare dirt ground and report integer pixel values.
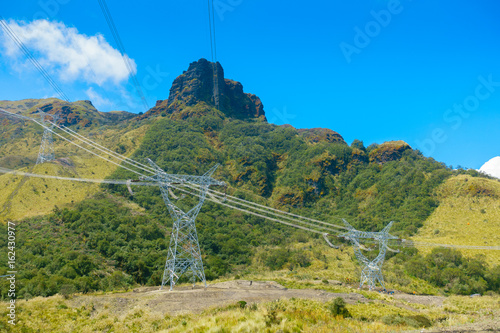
(195, 300)
(492, 325)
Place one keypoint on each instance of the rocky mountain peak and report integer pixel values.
(196, 84)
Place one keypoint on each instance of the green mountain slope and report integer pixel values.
(468, 214)
(106, 234)
(19, 146)
(285, 169)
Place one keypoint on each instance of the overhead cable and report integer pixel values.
(17, 40)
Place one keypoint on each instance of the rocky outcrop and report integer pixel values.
(388, 151)
(79, 113)
(315, 135)
(195, 86)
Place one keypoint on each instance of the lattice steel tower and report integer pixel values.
(46, 152)
(372, 270)
(184, 256)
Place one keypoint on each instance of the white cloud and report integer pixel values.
(99, 101)
(72, 55)
(492, 167)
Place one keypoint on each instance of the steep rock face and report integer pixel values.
(238, 104)
(196, 85)
(388, 151)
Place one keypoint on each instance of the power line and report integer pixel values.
(213, 51)
(121, 47)
(214, 196)
(210, 31)
(46, 153)
(233, 199)
(213, 27)
(470, 247)
(83, 180)
(140, 174)
(33, 60)
(404, 243)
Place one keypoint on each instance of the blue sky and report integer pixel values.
(422, 71)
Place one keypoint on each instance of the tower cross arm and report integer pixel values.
(176, 179)
(199, 180)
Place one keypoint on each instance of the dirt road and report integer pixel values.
(189, 300)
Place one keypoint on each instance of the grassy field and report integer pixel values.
(468, 214)
(91, 314)
(339, 265)
(26, 197)
(38, 196)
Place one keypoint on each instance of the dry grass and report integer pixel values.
(38, 196)
(468, 214)
(56, 314)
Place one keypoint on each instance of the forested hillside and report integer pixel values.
(109, 239)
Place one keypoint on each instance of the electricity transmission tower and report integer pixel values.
(372, 270)
(46, 152)
(184, 256)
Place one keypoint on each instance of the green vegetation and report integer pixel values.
(105, 244)
(19, 145)
(448, 269)
(111, 241)
(412, 321)
(100, 313)
(337, 308)
(123, 242)
(283, 169)
(467, 214)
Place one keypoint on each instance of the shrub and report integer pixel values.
(337, 308)
(272, 313)
(421, 320)
(417, 321)
(67, 290)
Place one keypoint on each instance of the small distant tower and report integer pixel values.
(46, 152)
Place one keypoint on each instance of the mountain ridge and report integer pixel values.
(196, 85)
(102, 232)
(79, 113)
